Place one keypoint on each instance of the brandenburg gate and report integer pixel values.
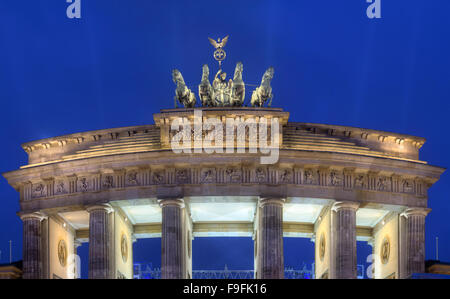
(332, 184)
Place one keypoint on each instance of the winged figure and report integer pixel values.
(219, 44)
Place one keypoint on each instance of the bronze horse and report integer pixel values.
(263, 93)
(205, 90)
(183, 94)
(238, 86)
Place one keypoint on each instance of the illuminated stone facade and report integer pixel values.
(331, 183)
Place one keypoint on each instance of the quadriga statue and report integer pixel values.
(223, 93)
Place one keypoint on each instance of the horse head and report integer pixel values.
(205, 74)
(268, 76)
(238, 71)
(177, 77)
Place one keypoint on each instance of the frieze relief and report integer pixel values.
(61, 187)
(233, 175)
(360, 181)
(132, 178)
(107, 181)
(158, 177)
(182, 176)
(311, 177)
(208, 176)
(260, 175)
(84, 184)
(38, 190)
(226, 175)
(336, 178)
(383, 183)
(285, 176)
(408, 186)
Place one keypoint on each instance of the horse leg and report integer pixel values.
(270, 102)
(192, 98)
(254, 100)
(260, 101)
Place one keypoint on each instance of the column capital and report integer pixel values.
(345, 205)
(415, 212)
(133, 238)
(100, 207)
(171, 202)
(36, 215)
(271, 200)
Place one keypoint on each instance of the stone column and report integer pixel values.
(187, 249)
(345, 239)
(256, 231)
(172, 246)
(100, 244)
(76, 259)
(415, 240)
(32, 247)
(371, 243)
(269, 239)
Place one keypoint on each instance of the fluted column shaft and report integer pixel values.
(172, 255)
(32, 250)
(270, 241)
(345, 246)
(415, 240)
(99, 241)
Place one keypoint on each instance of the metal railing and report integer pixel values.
(146, 271)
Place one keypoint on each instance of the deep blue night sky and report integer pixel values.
(332, 64)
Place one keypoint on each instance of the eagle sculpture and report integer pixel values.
(219, 44)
